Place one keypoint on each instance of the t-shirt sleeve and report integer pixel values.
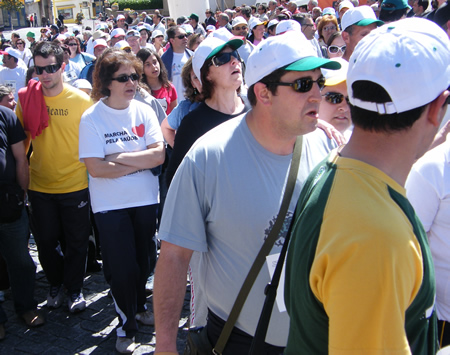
(90, 141)
(153, 132)
(173, 93)
(16, 133)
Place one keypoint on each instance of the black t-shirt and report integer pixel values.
(11, 132)
(194, 125)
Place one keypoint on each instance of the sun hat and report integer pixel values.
(238, 20)
(287, 25)
(359, 16)
(210, 47)
(117, 32)
(335, 77)
(410, 54)
(291, 51)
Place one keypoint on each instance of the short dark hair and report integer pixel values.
(391, 15)
(273, 77)
(171, 32)
(263, 6)
(301, 18)
(4, 91)
(45, 49)
(423, 3)
(373, 121)
(109, 62)
(246, 10)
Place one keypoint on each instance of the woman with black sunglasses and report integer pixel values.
(218, 66)
(82, 59)
(120, 141)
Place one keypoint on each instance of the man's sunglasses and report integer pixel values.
(303, 84)
(182, 36)
(124, 78)
(223, 58)
(335, 49)
(335, 98)
(50, 69)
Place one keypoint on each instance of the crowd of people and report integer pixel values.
(150, 132)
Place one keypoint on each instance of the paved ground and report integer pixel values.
(89, 332)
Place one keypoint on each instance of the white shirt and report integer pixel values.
(179, 59)
(13, 78)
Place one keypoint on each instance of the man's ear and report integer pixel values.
(437, 109)
(63, 66)
(345, 37)
(262, 93)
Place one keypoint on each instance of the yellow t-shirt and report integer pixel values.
(54, 164)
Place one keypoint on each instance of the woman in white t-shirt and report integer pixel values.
(120, 141)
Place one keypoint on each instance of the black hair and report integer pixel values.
(391, 15)
(273, 77)
(45, 49)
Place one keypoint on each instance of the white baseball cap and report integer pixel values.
(13, 52)
(291, 51)
(120, 17)
(360, 16)
(273, 23)
(187, 28)
(329, 11)
(287, 25)
(238, 20)
(132, 33)
(157, 33)
(410, 55)
(210, 28)
(255, 21)
(301, 2)
(346, 4)
(100, 42)
(122, 44)
(210, 47)
(82, 84)
(117, 32)
(223, 34)
(335, 77)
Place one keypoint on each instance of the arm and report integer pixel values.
(169, 292)
(172, 105)
(100, 168)
(168, 132)
(331, 132)
(22, 172)
(153, 156)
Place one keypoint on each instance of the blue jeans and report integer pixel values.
(61, 229)
(21, 268)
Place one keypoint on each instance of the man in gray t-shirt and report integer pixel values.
(227, 192)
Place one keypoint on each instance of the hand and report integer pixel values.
(331, 132)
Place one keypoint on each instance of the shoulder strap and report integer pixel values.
(264, 251)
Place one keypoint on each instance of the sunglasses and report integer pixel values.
(72, 44)
(240, 28)
(20, 43)
(124, 78)
(335, 49)
(335, 98)
(223, 58)
(303, 84)
(329, 28)
(50, 69)
(182, 36)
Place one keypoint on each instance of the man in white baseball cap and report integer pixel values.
(357, 23)
(227, 215)
(359, 272)
(117, 35)
(14, 71)
(239, 27)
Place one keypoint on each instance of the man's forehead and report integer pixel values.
(294, 75)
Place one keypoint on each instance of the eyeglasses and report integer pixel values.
(240, 28)
(329, 28)
(335, 98)
(72, 44)
(303, 84)
(223, 58)
(182, 36)
(334, 49)
(20, 43)
(124, 78)
(50, 69)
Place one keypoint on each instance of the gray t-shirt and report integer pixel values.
(222, 202)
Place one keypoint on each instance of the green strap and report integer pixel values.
(265, 250)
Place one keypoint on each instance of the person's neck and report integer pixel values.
(154, 83)
(178, 50)
(260, 125)
(116, 104)
(55, 91)
(225, 101)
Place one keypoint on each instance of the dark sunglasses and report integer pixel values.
(334, 49)
(303, 84)
(223, 58)
(335, 98)
(50, 69)
(19, 43)
(182, 36)
(72, 44)
(124, 78)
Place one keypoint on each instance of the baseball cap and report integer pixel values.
(117, 32)
(301, 2)
(122, 44)
(100, 42)
(120, 17)
(132, 33)
(157, 33)
(223, 34)
(329, 11)
(13, 52)
(210, 47)
(238, 20)
(391, 5)
(255, 21)
(291, 51)
(210, 28)
(82, 84)
(410, 54)
(273, 23)
(335, 77)
(287, 25)
(346, 4)
(30, 34)
(194, 17)
(360, 16)
(187, 28)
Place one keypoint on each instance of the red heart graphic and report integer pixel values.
(139, 130)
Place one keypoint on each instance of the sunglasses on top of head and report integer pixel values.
(223, 58)
(124, 78)
(335, 98)
(50, 69)
(303, 84)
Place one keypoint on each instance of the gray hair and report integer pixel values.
(4, 91)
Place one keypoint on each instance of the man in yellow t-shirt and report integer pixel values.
(58, 191)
